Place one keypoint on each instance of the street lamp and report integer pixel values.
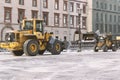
(79, 31)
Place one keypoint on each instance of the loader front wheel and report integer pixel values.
(31, 47)
(95, 49)
(105, 49)
(18, 53)
(56, 48)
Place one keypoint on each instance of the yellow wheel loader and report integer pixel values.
(105, 43)
(31, 40)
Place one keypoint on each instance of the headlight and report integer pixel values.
(10, 37)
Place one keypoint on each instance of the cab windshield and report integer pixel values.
(28, 25)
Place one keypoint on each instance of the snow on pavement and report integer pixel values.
(70, 65)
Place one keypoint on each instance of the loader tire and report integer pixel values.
(18, 53)
(31, 47)
(56, 48)
(105, 49)
(95, 50)
(114, 48)
(41, 52)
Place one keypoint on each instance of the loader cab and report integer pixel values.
(34, 24)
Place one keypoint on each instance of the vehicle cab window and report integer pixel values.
(39, 26)
(28, 25)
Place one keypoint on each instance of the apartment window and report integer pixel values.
(21, 2)
(118, 8)
(65, 6)
(45, 17)
(56, 19)
(71, 7)
(97, 17)
(56, 4)
(34, 3)
(7, 14)
(7, 1)
(45, 3)
(115, 7)
(110, 6)
(118, 18)
(101, 16)
(78, 7)
(65, 19)
(84, 22)
(114, 18)
(21, 14)
(97, 4)
(34, 14)
(105, 6)
(101, 5)
(71, 20)
(110, 18)
(84, 9)
(105, 17)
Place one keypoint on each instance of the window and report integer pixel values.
(65, 6)
(101, 5)
(78, 7)
(21, 14)
(21, 2)
(118, 8)
(105, 6)
(71, 7)
(110, 18)
(65, 19)
(34, 3)
(45, 3)
(97, 17)
(39, 26)
(7, 1)
(56, 19)
(102, 17)
(110, 6)
(97, 4)
(7, 14)
(84, 9)
(114, 18)
(45, 17)
(105, 17)
(34, 14)
(115, 7)
(71, 20)
(56, 4)
(84, 22)
(118, 18)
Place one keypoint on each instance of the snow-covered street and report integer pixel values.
(85, 65)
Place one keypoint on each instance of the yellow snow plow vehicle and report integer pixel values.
(105, 42)
(31, 40)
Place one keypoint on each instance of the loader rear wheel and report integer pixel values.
(114, 48)
(18, 53)
(31, 47)
(57, 47)
(41, 52)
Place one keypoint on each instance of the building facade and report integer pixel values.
(104, 15)
(60, 16)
